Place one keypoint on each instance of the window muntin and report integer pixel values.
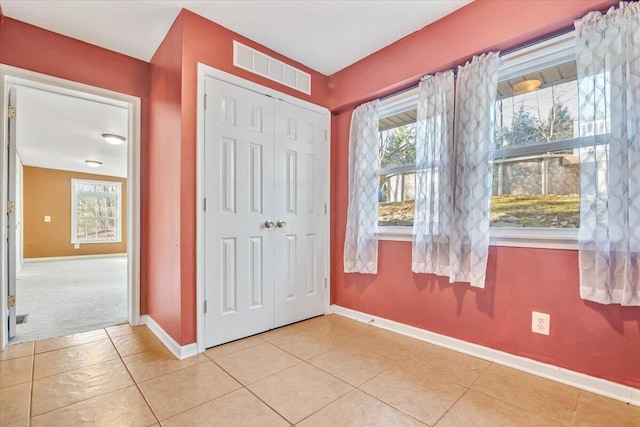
(95, 211)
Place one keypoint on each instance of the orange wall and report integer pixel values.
(32, 48)
(192, 39)
(595, 339)
(48, 192)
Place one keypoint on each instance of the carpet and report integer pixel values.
(70, 296)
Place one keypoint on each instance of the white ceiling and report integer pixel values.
(58, 131)
(325, 35)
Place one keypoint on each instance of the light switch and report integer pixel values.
(47, 218)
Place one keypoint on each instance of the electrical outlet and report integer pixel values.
(540, 323)
(47, 218)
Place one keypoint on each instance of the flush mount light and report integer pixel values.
(93, 163)
(113, 139)
(526, 86)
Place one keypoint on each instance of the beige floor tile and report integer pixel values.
(395, 346)
(13, 351)
(14, 401)
(21, 423)
(256, 362)
(352, 364)
(70, 340)
(358, 409)
(284, 330)
(426, 400)
(158, 362)
(478, 410)
(299, 391)
(119, 408)
(225, 349)
(140, 341)
(304, 344)
(545, 397)
(595, 410)
(15, 371)
(239, 408)
(124, 329)
(187, 388)
(70, 358)
(71, 387)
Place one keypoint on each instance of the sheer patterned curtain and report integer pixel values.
(434, 186)
(473, 151)
(361, 242)
(608, 62)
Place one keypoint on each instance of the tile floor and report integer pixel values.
(327, 371)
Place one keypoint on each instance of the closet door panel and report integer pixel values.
(238, 181)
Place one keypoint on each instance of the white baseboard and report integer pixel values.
(70, 257)
(181, 352)
(565, 376)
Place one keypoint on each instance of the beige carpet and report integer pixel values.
(70, 296)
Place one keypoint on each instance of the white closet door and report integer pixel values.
(299, 213)
(239, 247)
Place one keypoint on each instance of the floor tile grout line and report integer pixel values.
(250, 391)
(452, 405)
(134, 381)
(33, 373)
(75, 369)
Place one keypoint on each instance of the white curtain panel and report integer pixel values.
(434, 184)
(473, 151)
(608, 62)
(361, 241)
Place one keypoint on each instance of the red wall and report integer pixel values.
(192, 39)
(32, 48)
(164, 231)
(599, 340)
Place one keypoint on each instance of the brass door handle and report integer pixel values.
(268, 224)
(281, 224)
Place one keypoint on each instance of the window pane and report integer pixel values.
(537, 191)
(526, 116)
(397, 146)
(395, 197)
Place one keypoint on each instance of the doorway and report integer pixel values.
(71, 192)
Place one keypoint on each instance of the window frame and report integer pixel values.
(74, 213)
(539, 55)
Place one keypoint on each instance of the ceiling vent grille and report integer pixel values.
(257, 62)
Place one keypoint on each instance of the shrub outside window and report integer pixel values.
(95, 211)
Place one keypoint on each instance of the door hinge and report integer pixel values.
(325, 208)
(11, 112)
(205, 101)
(325, 135)
(11, 301)
(325, 283)
(204, 204)
(10, 207)
(205, 306)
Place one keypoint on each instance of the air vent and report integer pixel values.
(257, 62)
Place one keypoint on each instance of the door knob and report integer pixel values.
(281, 224)
(268, 224)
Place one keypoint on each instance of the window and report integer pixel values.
(397, 161)
(95, 211)
(536, 181)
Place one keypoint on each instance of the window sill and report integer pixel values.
(544, 238)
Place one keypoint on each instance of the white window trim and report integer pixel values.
(556, 51)
(74, 228)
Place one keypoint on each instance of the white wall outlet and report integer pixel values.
(540, 323)
(47, 218)
(76, 246)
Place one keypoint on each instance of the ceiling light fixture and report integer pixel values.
(113, 139)
(526, 86)
(93, 163)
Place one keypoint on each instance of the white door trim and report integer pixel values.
(12, 76)
(207, 71)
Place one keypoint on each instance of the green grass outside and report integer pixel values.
(506, 211)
